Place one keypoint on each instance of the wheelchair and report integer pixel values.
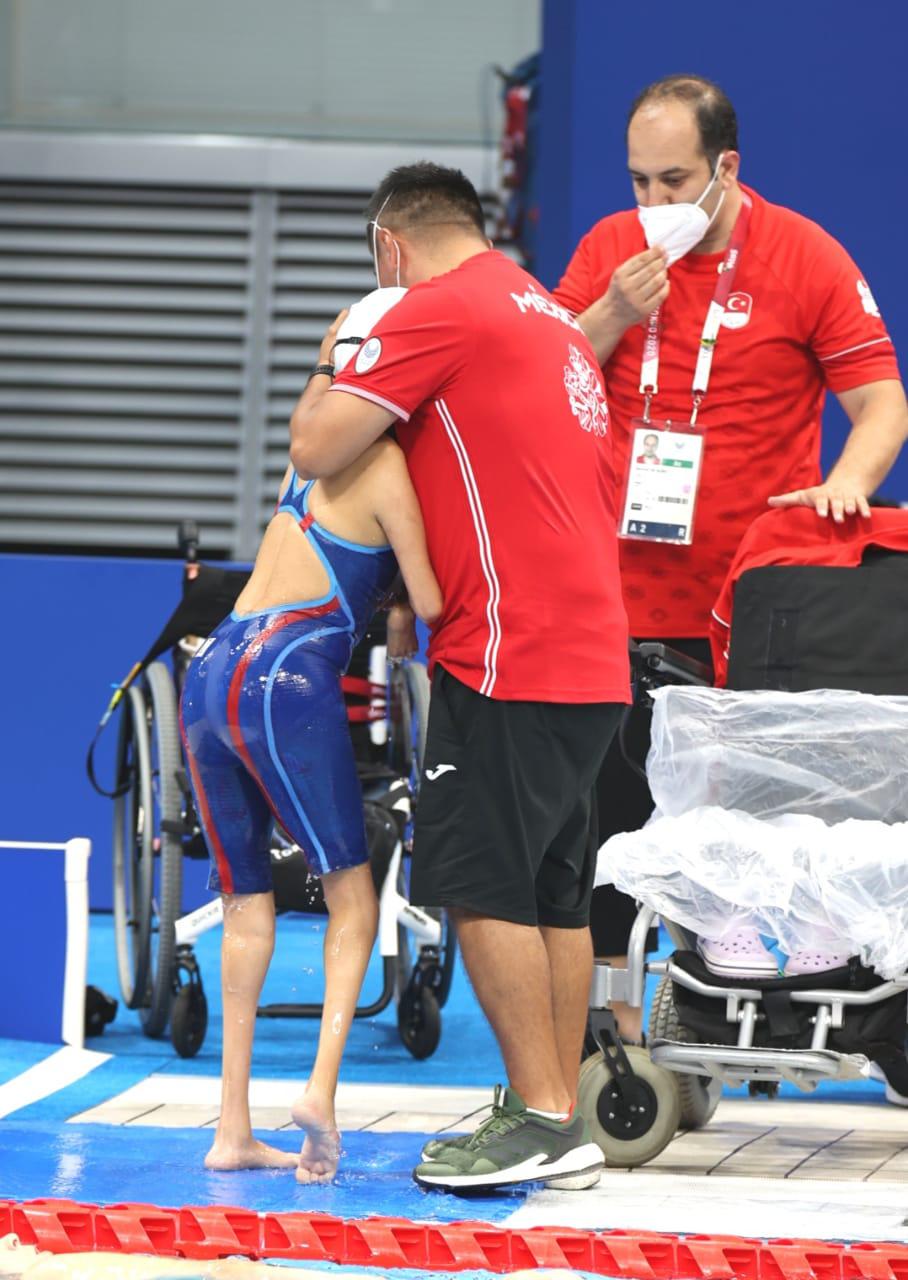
(155, 827)
(707, 1031)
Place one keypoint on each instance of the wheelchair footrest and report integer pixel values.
(804, 1068)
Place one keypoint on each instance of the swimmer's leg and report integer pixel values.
(311, 777)
(246, 950)
(236, 821)
(349, 938)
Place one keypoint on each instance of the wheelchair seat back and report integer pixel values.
(802, 627)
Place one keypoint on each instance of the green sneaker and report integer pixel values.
(434, 1147)
(514, 1146)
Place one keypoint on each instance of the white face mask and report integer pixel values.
(679, 227)
(376, 227)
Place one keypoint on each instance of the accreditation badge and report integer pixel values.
(663, 477)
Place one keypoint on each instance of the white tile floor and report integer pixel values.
(168, 1101)
(747, 1138)
(776, 1168)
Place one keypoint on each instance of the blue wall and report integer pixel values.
(819, 88)
(73, 626)
(32, 944)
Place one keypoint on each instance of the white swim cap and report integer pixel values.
(361, 320)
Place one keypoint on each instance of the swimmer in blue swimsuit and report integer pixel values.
(266, 738)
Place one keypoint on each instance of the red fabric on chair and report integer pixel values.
(797, 535)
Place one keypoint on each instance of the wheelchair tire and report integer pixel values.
(699, 1094)
(166, 761)
(448, 958)
(420, 690)
(419, 1021)
(133, 851)
(408, 716)
(189, 1019)
(629, 1135)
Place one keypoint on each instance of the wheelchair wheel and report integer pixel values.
(629, 1131)
(419, 1020)
(133, 851)
(447, 959)
(408, 715)
(166, 761)
(189, 1011)
(699, 1094)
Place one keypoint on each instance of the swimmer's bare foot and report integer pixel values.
(319, 1157)
(249, 1154)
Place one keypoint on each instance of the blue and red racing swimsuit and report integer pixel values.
(264, 723)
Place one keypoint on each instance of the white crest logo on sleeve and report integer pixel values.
(361, 319)
(868, 301)
(367, 356)
(584, 388)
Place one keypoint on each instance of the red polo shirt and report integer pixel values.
(503, 419)
(801, 319)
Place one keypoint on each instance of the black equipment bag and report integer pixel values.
(877, 1030)
(209, 594)
(800, 627)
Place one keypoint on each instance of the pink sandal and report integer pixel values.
(813, 960)
(739, 953)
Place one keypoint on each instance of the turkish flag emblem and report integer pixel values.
(737, 310)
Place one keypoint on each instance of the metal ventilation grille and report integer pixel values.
(153, 342)
(124, 322)
(321, 262)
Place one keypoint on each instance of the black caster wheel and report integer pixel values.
(100, 1009)
(189, 1019)
(634, 1130)
(419, 1021)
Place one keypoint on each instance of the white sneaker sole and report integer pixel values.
(896, 1099)
(577, 1170)
(730, 971)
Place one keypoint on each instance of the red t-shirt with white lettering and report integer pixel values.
(503, 419)
(800, 319)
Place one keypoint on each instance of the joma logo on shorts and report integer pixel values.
(432, 774)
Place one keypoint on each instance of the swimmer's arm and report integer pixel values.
(403, 641)
(397, 511)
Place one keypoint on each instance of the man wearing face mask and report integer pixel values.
(729, 316)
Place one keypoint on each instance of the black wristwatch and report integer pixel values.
(327, 369)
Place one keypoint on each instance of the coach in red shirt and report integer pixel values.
(497, 400)
(650, 287)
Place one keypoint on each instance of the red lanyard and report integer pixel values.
(649, 371)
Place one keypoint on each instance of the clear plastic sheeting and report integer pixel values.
(795, 878)
(784, 811)
(831, 753)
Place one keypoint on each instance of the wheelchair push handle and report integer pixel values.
(188, 539)
(657, 664)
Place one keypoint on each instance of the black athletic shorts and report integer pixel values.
(506, 818)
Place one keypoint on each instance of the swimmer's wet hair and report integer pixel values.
(424, 195)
